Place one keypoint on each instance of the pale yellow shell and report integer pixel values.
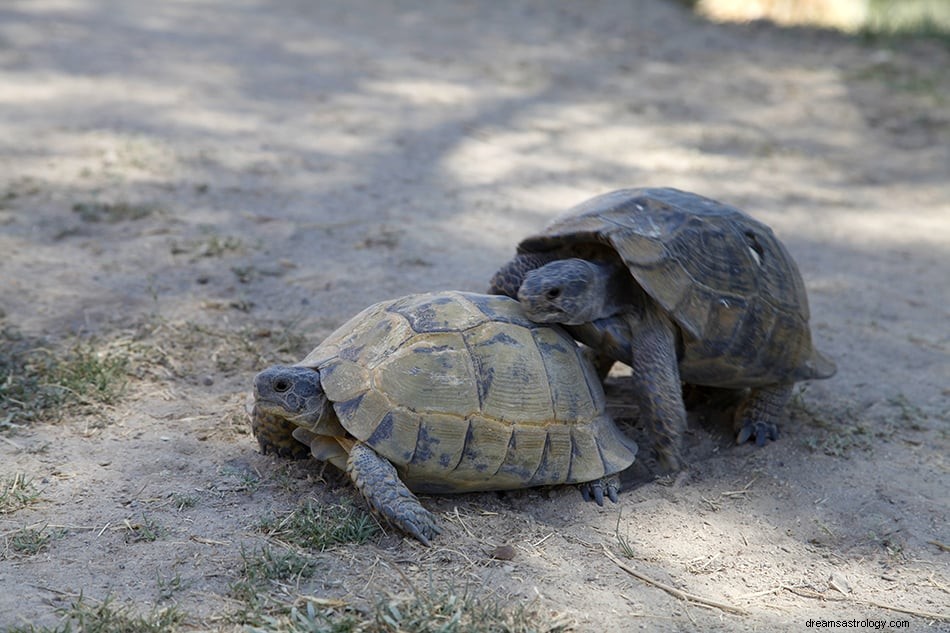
(461, 392)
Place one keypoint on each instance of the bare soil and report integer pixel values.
(211, 187)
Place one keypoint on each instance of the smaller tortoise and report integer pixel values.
(441, 393)
(680, 287)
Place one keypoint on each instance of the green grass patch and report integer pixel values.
(16, 492)
(264, 572)
(37, 382)
(908, 18)
(445, 611)
(82, 616)
(148, 530)
(113, 212)
(30, 541)
(211, 246)
(91, 375)
(319, 526)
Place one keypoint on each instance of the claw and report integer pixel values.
(761, 432)
(595, 490)
(598, 490)
(744, 434)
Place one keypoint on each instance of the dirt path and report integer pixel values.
(203, 188)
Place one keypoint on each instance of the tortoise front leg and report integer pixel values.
(656, 379)
(758, 415)
(275, 434)
(379, 483)
(507, 281)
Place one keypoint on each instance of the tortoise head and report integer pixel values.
(292, 393)
(569, 291)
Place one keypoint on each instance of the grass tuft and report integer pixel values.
(29, 541)
(320, 527)
(37, 383)
(445, 611)
(113, 212)
(145, 531)
(16, 492)
(90, 374)
(263, 571)
(108, 617)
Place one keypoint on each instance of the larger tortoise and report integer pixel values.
(441, 393)
(682, 288)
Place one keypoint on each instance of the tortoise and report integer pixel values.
(681, 288)
(444, 392)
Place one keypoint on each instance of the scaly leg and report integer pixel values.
(657, 382)
(595, 490)
(379, 483)
(758, 415)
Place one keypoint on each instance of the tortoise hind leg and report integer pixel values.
(595, 490)
(758, 414)
(379, 483)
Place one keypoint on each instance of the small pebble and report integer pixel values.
(207, 381)
(503, 552)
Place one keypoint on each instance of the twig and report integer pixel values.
(458, 517)
(872, 603)
(673, 591)
(943, 547)
(921, 614)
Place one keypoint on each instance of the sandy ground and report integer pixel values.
(294, 162)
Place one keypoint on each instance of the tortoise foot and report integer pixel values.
(595, 490)
(755, 417)
(386, 495)
(759, 431)
(275, 435)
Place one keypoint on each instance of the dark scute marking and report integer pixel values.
(383, 432)
(489, 306)
(545, 473)
(345, 410)
(502, 339)
(351, 353)
(486, 375)
(425, 445)
(422, 317)
(432, 349)
(549, 348)
(470, 452)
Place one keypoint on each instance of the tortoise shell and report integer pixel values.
(462, 392)
(723, 277)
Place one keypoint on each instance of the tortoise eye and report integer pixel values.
(553, 293)
(282, 385)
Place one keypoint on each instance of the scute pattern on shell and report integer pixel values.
(722, 276)
(462, 392)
